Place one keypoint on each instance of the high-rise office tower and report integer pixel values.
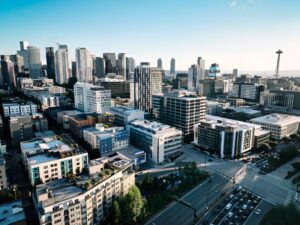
(159, 63)
(84, 65)
(62, 64)
(110, 62)
(182, 109)
(147, 82)
(50, 59)
(18, 62)
(130, 66)
(214, 71)
(7, 72)
(74, 69)
(100, 67)
(24, 53)
(35, 63)
(235, 74)
(172, 68)
(121, 64)
(196, 72)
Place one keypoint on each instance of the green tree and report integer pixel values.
(116, 212)
(131, 206)
(282, 215)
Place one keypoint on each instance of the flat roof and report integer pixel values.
(11, 212)
(221, 121)
(277, 119)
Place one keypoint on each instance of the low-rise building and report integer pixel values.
(280, 125)
(224, 137)
(79, 122)
(161, 142)
(49, 158)
(124, 115)
(15, 109)
(12, 213)
(20, 128)
(106, 140)
(84, 200)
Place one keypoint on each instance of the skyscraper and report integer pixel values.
(196, 72)
(35, 63)
(74, 69)
(110, 62)
(159, 63)
(214, 71)
(62, 64)
(235, 74)
(147, 82)
(18, 62)
(130, 66)
(8, 72)
(24, 53)
(172, 68)
(50, 62)
(121, 64)
(84, 65)
(100, 67)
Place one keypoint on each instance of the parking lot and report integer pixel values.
(238, 208)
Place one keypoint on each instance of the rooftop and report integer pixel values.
(124, 110)
(277, 119)
(63, 189)
(152, 126)
(11, 212)
(220, 121)
(48, 148)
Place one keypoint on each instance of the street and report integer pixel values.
(177, 214)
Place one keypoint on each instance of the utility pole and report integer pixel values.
(279, 52)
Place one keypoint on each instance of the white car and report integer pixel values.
(244, 207)
(228, 206)
(257, 212)
(230, 214)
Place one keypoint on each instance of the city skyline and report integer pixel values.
(240, 34)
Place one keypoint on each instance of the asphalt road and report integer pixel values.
(265, 207)
(177, 214)
(277, 192)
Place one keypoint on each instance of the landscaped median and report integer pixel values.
(156, 194)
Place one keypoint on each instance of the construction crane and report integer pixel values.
(279, 52)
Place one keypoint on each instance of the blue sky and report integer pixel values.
(241, 34)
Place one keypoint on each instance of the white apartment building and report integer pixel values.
(87, 199)
(279, 125)
(15, 109)
(158, 140)
(91, 98)
(48, 158)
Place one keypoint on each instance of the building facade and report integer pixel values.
(62, 64)
(161, 142)
(279, 125)
(181, 109)
(85, 200)
(147, 82)
(48, 158)
(91, 98)
(224, 137)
